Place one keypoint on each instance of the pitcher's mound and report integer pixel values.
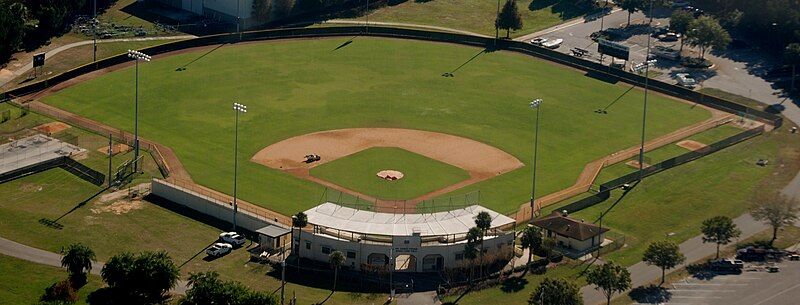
(390, 175)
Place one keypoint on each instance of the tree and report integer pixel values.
(471, 249)
(140, 279)
(791, 55)
(12, 28)
(631, 6)
(509, 18)
(556, 291)
(78, 261)
(777, 211)
(663, 254)
(609, 278)
(679, 23)
(207, 288)
(532, 240)
(299, 221)
(548, 246)
(261, 9)
(483, 221)
(336, 259)
(61, 292)
(720, 230)
(706, 32)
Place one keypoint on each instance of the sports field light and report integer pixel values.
(237, 108)
(137, 56)
(535, 104)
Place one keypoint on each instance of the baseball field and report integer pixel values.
(297, 87)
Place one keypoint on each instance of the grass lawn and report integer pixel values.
(146, 226)
(479, 16)
(356, 86)
(720, 184)
(679, 199)
(421, 174)
(518, 291)
(81, 55)
(23, 282)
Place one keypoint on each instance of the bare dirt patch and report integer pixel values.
(118, 208)
(480, 160)
(51, 128)
(692, 145)
(124, 201)
(115, 149)
(635, 164)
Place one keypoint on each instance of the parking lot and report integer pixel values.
(754, 286)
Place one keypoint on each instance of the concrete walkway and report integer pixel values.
(39, 256)
(6, 78)
(419, 298)
(694, 249)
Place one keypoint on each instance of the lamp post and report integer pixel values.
(646, 87)
(137, 56)
(237, 108)
(535, 104)
(366, 15)
(496, 28)
(94, 31)
(283, 278)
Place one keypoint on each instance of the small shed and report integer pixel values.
(273, 238)
(570, 233)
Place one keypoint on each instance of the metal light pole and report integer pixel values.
(238, 18)
(496, 28)
(283, 278)
(646, 87)
(366, 15)
(536, 104)
(603, 16)
(137, 56)
(237, 108)
(94, 31)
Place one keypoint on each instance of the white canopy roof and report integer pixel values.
(333, 216)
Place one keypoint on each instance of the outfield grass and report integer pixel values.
(23, 282)
(421, 174)
(302, 86)
(479, 16)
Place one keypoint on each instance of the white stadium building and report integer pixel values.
(401, 242)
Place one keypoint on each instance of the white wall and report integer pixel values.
(408, 245)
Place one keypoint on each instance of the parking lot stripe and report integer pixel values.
(777, 294)
(692, 297)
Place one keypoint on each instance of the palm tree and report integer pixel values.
(483, 221)
(78, 261)
(300, 221)
(336, 259)
(471, 249)
(531, 239)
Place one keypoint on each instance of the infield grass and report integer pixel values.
(303, 86)
(421, 174)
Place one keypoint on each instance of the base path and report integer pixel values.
(480, 160)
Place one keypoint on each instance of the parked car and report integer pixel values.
(728, 265)
(553, 44)
(219, 249)
(669, 37)
(538, 41)
(232, 238)
(680, 3)
(666, 53)
(686, 80)
(660, 30)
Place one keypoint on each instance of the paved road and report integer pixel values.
(749, 288)
(5, 78)
(694, 249)
(43, 257)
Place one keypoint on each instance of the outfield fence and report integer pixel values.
(592, 68)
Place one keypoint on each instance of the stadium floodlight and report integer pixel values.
(237, 108)
(535, 104)
(646, 92)
(137, 56)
